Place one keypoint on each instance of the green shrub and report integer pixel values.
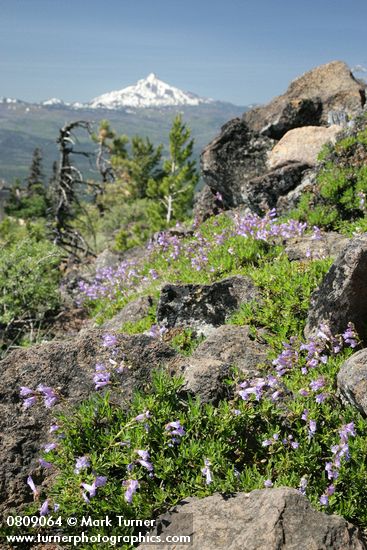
(29, 280)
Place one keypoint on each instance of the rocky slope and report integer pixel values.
(253, 165)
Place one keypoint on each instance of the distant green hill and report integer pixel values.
(24, 126)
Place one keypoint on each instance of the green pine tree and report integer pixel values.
(176, 189)
(139, 168)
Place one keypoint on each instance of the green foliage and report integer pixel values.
(137, 170)
(28, 280)
(286, 287)
(229, 436)
(30, 202)
(175, 190)
(141, 220)
(341, 184)
(185, 341)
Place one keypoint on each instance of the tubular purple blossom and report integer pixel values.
(132, 486)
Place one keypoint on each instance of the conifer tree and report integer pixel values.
(35, 178)
(176, 189)
(139, 168)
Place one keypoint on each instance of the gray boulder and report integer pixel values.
(269, 519)
(227, 346)
(202, 307)
(342, 295)
(352, 381)
(330, 244)
(69, 367)
(309, 101)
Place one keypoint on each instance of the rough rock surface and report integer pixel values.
(289, 201)
(207, 203)
(106, 259)
(210, 364)
(264, 192)
(330, 244)
(352, 380)
(301, 145)
(132, 312)
(342, 295)
(269, 519)
(309, 100)
(68, 366)
(202, 307)
(232, 158)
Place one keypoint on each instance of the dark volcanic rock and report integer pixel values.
(234, 157)
(207, 203)
(309, 100)
(352, 381)
(69, 367)
(342, 295)
(203, 306)
(210, 364)
(269, 519)
(264, 192)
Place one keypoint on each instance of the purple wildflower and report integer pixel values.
(324, 500)
(24, 391)
(100, 481)
(29, 402)
(144, 460)
(268, 483)
(303, 485)
(206, 471)
(49, 447)
(131, 487)
(156, 331)
(54, 428)
(312, 428)
(109, 340)
(44, 510)
(320, 398)
(81, 463)
(34, 489)
(49, 394)
(175, 428)
(102, 376)
(90, 488)
(317, 384)
(143, 416)
(44, 463)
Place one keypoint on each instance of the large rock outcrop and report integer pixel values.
(234, 157)
(342, 295)
(269, 519)
(328, 94)
(309, 101)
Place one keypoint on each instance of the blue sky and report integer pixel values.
(242, 51)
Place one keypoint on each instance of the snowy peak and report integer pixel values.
(53, 102)
(148, 92)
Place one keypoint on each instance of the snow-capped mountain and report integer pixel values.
(148, 92)
(53, 102)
